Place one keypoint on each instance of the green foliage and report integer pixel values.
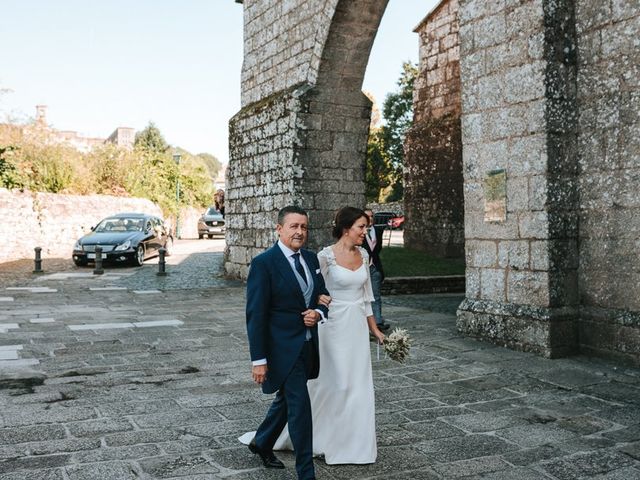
(397, 111)
(378, 169)
(150, 140)
(404, 262)
(51, 173)
(149, 171)
(211, 163)
(31, 163)
(9, 175)
(385, 152)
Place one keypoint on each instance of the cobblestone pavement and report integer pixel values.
(126, 376)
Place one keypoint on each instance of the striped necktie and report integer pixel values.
(299, 267)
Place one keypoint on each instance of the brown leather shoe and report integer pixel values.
(269, 460)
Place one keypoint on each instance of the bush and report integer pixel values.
(30, 161)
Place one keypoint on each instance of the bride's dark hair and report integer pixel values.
(344, 220)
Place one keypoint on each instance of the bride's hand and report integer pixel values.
(324, 300)
(379, 335)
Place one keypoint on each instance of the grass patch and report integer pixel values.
(403, 262)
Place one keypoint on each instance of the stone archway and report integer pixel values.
(301, 135)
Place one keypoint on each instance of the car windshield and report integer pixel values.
(118, 224)
(213, 211)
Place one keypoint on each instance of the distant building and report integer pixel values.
(122, 136)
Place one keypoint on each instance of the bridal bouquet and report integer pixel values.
(397, 345)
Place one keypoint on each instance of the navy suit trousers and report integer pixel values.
(292, 405)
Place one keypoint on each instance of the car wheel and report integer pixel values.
(80, 263)
(210, 236)
(200, 236)
(139, 258)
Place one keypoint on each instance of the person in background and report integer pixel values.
(373, 245)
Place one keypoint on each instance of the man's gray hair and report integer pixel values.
(290, 209)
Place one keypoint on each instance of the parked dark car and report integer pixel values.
(211, 223)
(382, 218)
(125, 237)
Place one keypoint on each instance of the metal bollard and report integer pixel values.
(98, 269)
(161, 262)
(38, 261)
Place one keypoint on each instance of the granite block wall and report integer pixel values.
(609, 184)
(283, 44)
(518, 100)
(433, 183)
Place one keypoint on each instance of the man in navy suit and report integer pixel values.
(282, 314)
(373, 245)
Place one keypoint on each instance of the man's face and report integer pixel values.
(293, 233)
(370, 216)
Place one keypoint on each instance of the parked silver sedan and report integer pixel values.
(211, 223)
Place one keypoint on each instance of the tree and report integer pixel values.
(9, 175)
(378, 169)
(397, 111)
(385, 150)
(151, 140)
(211, 163)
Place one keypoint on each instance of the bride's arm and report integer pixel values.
(373, 328)
(368, 290)
(368, 298)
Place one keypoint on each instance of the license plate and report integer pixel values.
(91, 256)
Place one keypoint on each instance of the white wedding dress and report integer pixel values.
(342, 398)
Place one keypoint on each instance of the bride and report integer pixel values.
(342, 398)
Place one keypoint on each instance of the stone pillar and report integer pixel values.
(518, 69)
(296, 147)
(433, 194)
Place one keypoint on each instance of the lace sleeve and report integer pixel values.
(368, 290)
(323, 259)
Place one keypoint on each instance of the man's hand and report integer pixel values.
(310, 317)
(324, 300)
(259, 373)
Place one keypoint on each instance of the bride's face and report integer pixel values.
(358, 231)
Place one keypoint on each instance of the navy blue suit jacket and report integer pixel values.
(275, 303)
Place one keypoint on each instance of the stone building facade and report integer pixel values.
(433, 193)
(608, 162)
(549, 135)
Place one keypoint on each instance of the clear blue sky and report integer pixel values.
(99, 65)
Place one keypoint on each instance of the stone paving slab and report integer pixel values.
(168, 401)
